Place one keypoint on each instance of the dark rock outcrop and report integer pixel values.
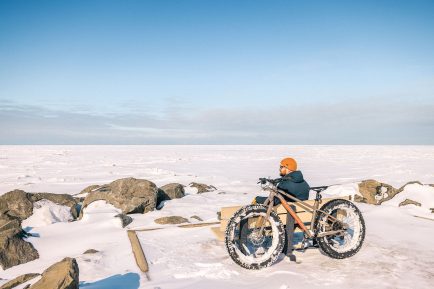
(125, 220)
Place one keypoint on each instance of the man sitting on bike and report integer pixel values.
(292, 182)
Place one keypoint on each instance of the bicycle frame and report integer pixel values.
(312, 209)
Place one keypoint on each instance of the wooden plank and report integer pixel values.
(220, 235)
(194, 225)
(228, 212)
(139, 255)
(198, 225)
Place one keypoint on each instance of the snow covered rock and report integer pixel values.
(420, 195)
(46, 212)
(375, 193)
(61, 275)
(13, 249)
(409, 202)
(129, 194)
(59, 199)
(19, 280)
(202, 188)
(170, 192)
(19, 204)
(173, 220)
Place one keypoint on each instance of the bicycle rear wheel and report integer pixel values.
(347, 243)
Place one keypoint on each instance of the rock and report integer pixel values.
(125, 220)
(90, 251)
(197, 218)
(375, 193)
(89, 189)
(16, 204)
(19, 280)
(13, 249)
(202, 188)
(170, 192)
(409, 202)
(171, 220)
(19, 204)
(432, 210)
(130, 195)
(61, 275)
(60, 199)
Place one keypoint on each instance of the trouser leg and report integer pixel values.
(289, 230)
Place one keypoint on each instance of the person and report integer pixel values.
(292, 182)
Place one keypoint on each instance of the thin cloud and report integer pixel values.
(328, 123)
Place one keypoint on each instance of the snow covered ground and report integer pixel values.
(397, 252)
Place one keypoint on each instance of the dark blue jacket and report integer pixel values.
(295, 185)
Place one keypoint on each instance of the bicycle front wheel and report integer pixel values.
(246, 245)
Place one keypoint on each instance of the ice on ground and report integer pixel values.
(397, 252)
(46, 212)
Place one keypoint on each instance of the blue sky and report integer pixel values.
(216, 72)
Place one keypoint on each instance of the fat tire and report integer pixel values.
(234, 222)
(324, 246)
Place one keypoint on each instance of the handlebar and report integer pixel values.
(263, 181)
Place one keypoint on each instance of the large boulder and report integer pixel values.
(170, 192)
(19, 204)
(129, 194)
(16, 204)
(13, 249)
(375, 193)
(61, 275)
